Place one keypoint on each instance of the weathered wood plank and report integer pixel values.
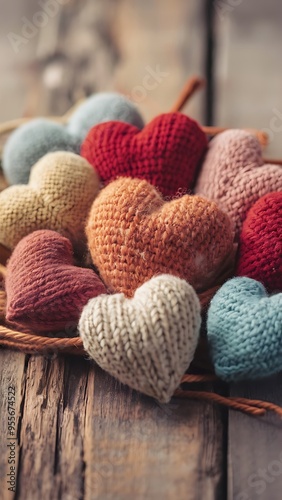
(159, 38)
(248, 77)
(52, 429)
(12, 393)
(138, 448)
(248, 69)
(255, 446)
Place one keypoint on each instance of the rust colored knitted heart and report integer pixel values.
(260, 250)
(45, 291)
(235, 176)
(133, 235)
(166, 152)
(61, 190)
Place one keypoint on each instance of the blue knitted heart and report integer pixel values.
(245, 330)
(32, 141)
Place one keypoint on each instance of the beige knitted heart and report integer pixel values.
(60, 192)
(146, 342)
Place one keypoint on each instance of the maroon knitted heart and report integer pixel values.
(260, 249)
(166, 152)
(45, 291)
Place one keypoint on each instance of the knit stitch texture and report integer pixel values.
(166, 152)
(133, 235)
(103, 107)
(147, 342)
(29, 143)
(45, 291)
(59, 195)
(234, 175)
(260, 250)
(245, 331)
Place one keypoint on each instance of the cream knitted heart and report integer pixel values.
(61, 189)
(146, 342)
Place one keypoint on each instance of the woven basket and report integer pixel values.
(201, 370)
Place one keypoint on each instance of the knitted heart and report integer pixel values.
(45, 291)
(245, 330)
(146, 342)
(133, 235)
(59, 195)
(33, 140)
(29, 143)
(260, 250)
(234, 175)
(103, 107)
(166, 152)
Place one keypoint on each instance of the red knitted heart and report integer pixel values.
(166, 152)
(260, 251)
(45, 291)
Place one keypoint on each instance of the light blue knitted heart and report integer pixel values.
(103, 107)
(32, 141)
(245, 331)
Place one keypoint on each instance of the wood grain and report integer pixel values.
(248, 72)
(248, 77)
(138, 448)
(12, 375)
(255, 446)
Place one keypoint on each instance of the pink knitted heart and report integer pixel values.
(234, 175)
(45, 291)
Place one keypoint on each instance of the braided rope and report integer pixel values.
(266, 405)
(30, 343)
(240, 405)
(190, 378)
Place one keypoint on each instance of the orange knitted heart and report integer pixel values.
(133, 235)
(45, 291)
(61, 190)
(260, 249)
(235, 176)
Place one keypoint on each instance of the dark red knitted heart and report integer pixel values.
(166, 152)
(45, 291)
(260, 250)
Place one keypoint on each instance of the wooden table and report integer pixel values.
(80, 434)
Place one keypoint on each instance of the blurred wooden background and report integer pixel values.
(81, 435)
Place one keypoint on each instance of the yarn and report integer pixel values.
(45, 291)
(234, 175)
(29, 143)
(146, 342)
(244, 328)
(59, 195)
(103, 107)
(166, 152)
(260, 249)
(133, 235)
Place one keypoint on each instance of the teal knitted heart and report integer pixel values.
(245, 330)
